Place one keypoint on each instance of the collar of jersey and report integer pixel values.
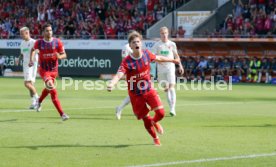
(135, 57)
(48, 41)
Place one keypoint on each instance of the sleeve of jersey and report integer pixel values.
(123, 67)
(60, 47)
(32, 44)
(174, 48)
(151, 55)
(35, 45)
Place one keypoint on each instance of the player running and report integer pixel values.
(166, 71)
(50, 50)
(29, 72)
(136, 66)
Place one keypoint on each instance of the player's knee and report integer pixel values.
(49, 84)
(27, 84)
(160, 111)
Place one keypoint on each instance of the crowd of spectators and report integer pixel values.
(242, 69)
(250, 18)
(86, 19)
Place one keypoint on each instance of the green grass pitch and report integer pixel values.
(209, 129)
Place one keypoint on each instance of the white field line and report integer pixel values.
(252, 156)
(111, 107)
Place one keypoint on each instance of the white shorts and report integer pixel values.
(166, 78)
(30, 72)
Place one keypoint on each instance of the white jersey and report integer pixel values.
(25, 50)
(126, 51)
(165, 49)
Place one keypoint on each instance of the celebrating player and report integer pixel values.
(50, 50)
(29, 72)
(136, 66)
(166, 71)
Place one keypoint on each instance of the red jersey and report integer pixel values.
(47, 54)
(138, 72)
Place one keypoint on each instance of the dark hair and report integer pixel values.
(46, 25)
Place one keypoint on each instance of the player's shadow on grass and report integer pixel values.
(9, 120)
(245, 126)
(77, 146)
(83, 118)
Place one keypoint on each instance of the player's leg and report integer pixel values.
(154, 102)
(172, 93)
(150, 128)
(29, 79)
(44, 92)
(120, 108)
(50, 84)
(141, 111)
(162, 80)
(34, 96)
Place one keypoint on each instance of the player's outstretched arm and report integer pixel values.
(165, 59)
(114, 81)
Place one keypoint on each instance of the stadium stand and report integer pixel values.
(108, 19)
(251, 18)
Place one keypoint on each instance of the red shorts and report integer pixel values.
(48, 75)
(139, 103)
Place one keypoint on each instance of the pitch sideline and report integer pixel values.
(252, 156)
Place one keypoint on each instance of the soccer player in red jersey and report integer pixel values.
(50, 50)
(136, 66)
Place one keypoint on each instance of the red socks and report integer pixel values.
(44, 93)
(148, 125)
(56, 101)
(54, 97)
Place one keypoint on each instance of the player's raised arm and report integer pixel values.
(114, 81)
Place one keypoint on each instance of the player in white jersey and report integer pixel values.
(29, 72)
(166, 71)
(118, 111)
